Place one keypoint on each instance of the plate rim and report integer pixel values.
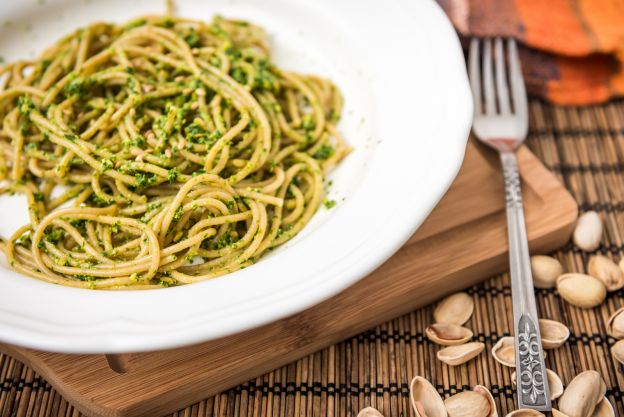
(112, 335)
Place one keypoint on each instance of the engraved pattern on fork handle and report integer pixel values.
(531, 382)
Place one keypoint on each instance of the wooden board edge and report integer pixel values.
(544, 185)
(37, 362)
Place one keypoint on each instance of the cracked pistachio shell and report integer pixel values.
(425, 400)
(447, 334)
(487, 394)
(457, 355)
(554, 333)
(615, 325)
(581, 290)
(504, 352)
(617, 351)
(525, 412)
(604, 409)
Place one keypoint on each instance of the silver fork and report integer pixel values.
(501, 121)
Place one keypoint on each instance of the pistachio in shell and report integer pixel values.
(554, 333)
(425, 400)
(607, 271)
(588, 231)
(554, 383)
(457, 355)
(369, 412)
(557, 413)
(447, 334)
(545, 271)
(615, 325)
(454, 309)
(504, 351)
(581, 290)
(582, 394)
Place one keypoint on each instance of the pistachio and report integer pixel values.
(469, 404)
(425, 400)
(557, 413)
(554, 333)
(545, 270)
(456, 355)
(617, 351)
(447, 334)
(607, 271)
(454, 309)
(588, 231)
(582, 395)
(604, 409)
(525, 412)
(554, 383)
(369, 412)
(581, 290)
(504, 352)
(615, 325)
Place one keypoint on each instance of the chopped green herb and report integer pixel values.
(329, 203)
(173, 174)
(324, 152)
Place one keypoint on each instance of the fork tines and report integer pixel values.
(496, 78)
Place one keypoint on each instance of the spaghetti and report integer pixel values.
(161, 152)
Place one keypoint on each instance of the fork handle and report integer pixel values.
(531, 377)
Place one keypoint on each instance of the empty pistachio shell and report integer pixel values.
(554, 383)
(504, 352)
(617, 351)
(480, 389)
(604, 409)
(525, 412)
(554, 333)
(447, 334)
(615, 325)
(545, 270)
(369, 412)
(588, 231)
(454, 309)
(581, 290)
(456, 355)
(468, 404)
(582, 395)
(425, 400)
(607, 271)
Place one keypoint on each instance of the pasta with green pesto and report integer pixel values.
(161, 152)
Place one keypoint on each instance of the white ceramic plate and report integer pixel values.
(408, 111)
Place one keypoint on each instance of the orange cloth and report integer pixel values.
(573, 49)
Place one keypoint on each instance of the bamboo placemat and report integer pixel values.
(585, 148)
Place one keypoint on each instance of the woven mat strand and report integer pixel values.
(585, 148)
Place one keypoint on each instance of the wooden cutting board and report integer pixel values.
(462, 242)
